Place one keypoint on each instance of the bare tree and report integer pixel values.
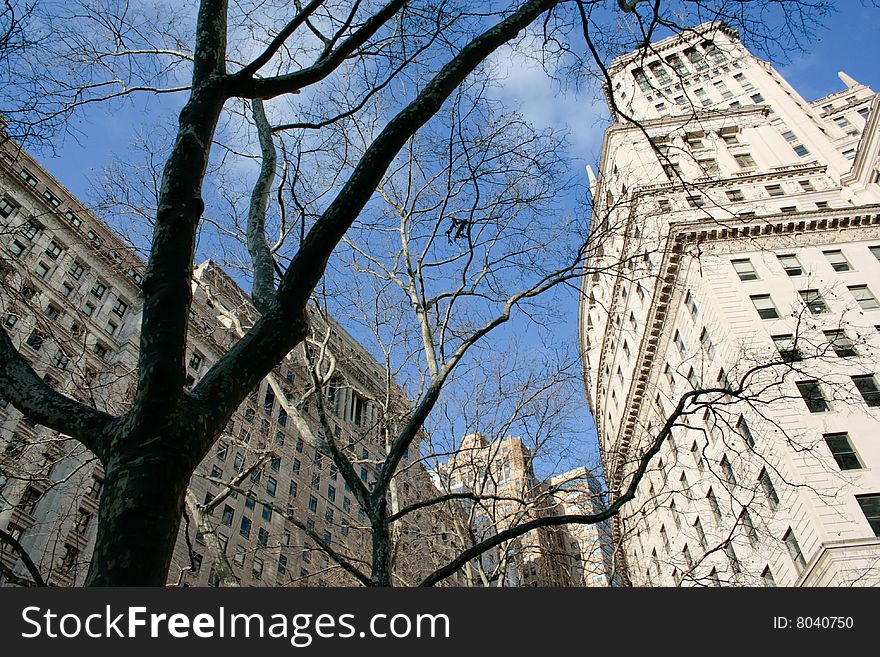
(384, 72)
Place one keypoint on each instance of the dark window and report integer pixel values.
(794, 550)
(245, 529)
(867, 386)
(871, 508)
(841, 343)
(769, 490)
(787, 348)
(842, 451)
(813, 396)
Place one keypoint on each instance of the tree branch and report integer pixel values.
(258, 247)
(37, 399)
(10, 540)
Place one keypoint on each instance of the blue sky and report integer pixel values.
(847, 43)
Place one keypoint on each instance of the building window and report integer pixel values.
(111, 328)
(42, 269)
(679, 343)
(271, 486)
(838, 260)
(16, 247)
(28, 177)
(791, 264)
(35, 340)
(764, 305)
(867, 386)
(245, 527)
(98, 290)
(53, 250)
(743, 428)
(76, 270)
(713, 504)
(30, 230)
(813, 396)
(313, 503)
(870, 505)
(228, 515)
(814, 301)
(727, 469)
(841, 343)
(72, 218)
(7, 207)
(691, 304)
(768, 488)
(51, 199)
(775, 190)
(767, 578)
(696, 201)
(262, 537)
(794, 551)
(842, 450)
(660, 73)
(697, 455)
(706, 344)
(801, 150)
(745, 161)
(692, 378)
(863, 296)
(120, 307)
(875, 250)
(749, 527)
(735, 568)
(60, 360)
(787, 347)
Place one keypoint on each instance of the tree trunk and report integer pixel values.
(141, 506)
(382, 548)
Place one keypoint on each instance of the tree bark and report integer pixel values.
(382, 547)
(142, 503)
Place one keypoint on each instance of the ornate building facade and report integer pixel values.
(740, 228)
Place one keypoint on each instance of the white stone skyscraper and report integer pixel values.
(736, 234)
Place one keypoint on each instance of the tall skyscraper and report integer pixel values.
(736, 244)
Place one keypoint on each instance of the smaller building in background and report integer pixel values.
(500, 477)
